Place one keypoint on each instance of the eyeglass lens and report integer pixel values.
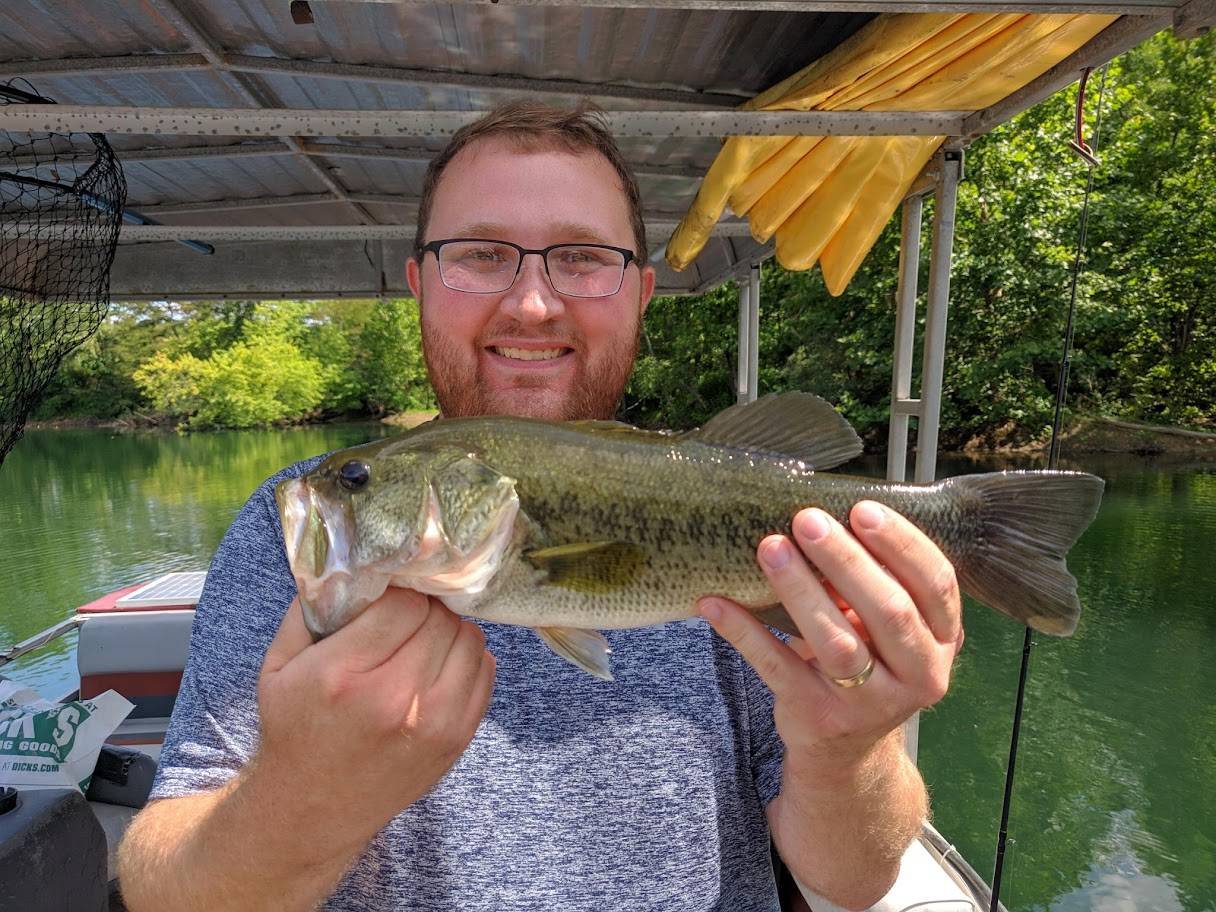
(486, 266)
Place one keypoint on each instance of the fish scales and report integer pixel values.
(699, 512)
(572, 528)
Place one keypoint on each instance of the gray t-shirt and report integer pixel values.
(575, 794)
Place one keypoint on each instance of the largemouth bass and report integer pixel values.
(570, 528)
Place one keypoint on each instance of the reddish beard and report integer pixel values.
(596, 391)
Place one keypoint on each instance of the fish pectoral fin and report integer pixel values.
(798, 425)
(589, 567)
(777, 617)
(585, 648)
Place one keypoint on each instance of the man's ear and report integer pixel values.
(413, 277)
(648, 280)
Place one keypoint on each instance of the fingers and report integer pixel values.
(376, 634)
(420, 659)
(446, 663)
(828, 633)
(900, 636)
(468, 674)
(291, 639)
(918, 564)
(779, 667)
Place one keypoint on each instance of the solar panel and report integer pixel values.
(170, 589)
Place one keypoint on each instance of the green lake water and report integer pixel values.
(1115, 803)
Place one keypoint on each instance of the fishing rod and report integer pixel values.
(1053, 458)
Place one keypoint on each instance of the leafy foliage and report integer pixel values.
(261, 379)
(1145, 336)
(249, 365)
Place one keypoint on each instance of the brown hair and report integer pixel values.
(533, 126)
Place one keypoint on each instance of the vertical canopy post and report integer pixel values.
(902, 404)
(753, 334)
(741, 375)
(934, 354)
(926, 409)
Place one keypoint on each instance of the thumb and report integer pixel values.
(292, 638)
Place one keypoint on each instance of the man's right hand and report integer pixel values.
(377, 712)
(354, 729)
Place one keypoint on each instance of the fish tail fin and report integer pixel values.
(1028, 522)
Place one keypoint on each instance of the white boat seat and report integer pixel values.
(926, 883)
(139, 654)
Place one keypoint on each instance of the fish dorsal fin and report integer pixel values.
(589, 567)
(798, 425)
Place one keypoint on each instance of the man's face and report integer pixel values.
(529, 351)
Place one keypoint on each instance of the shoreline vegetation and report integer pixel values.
(1144, 347)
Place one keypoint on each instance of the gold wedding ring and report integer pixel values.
(858, 679)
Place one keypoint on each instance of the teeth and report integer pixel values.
(525, 354)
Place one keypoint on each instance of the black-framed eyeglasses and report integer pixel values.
(482, 266)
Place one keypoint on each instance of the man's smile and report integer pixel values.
(532, 356)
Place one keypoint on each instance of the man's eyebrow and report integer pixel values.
(488, 230)
(565, 232)
(573, 231)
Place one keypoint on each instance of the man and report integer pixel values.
(416, 760)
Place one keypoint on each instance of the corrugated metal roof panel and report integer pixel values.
(41, 29)
(333, 213)
(222, 178)
(739, 51)
(733, 53)
(379, 175)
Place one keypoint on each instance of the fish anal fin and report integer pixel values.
(778, 618)
(798, 425)
(585, 648)
(589, 567)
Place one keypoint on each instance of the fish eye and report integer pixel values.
(355, 475)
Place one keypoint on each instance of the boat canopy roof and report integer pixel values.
(293, 137)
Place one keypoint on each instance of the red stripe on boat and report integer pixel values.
(132, 683)
(106, 603)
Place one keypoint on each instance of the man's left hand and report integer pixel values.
(887, 595)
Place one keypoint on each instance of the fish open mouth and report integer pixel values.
(452, 548)
(319, 532)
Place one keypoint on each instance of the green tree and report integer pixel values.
(390, 365)
(97, 379)
(262, 379)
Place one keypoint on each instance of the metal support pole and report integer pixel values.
(753, 334)
(902, 404)
(745, 289)
(934, 355)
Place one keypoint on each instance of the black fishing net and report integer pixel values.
(61, 200)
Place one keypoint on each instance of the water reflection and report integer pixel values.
(83, 512)
(1113, 807)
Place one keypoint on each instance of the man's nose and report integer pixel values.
(532, 300)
